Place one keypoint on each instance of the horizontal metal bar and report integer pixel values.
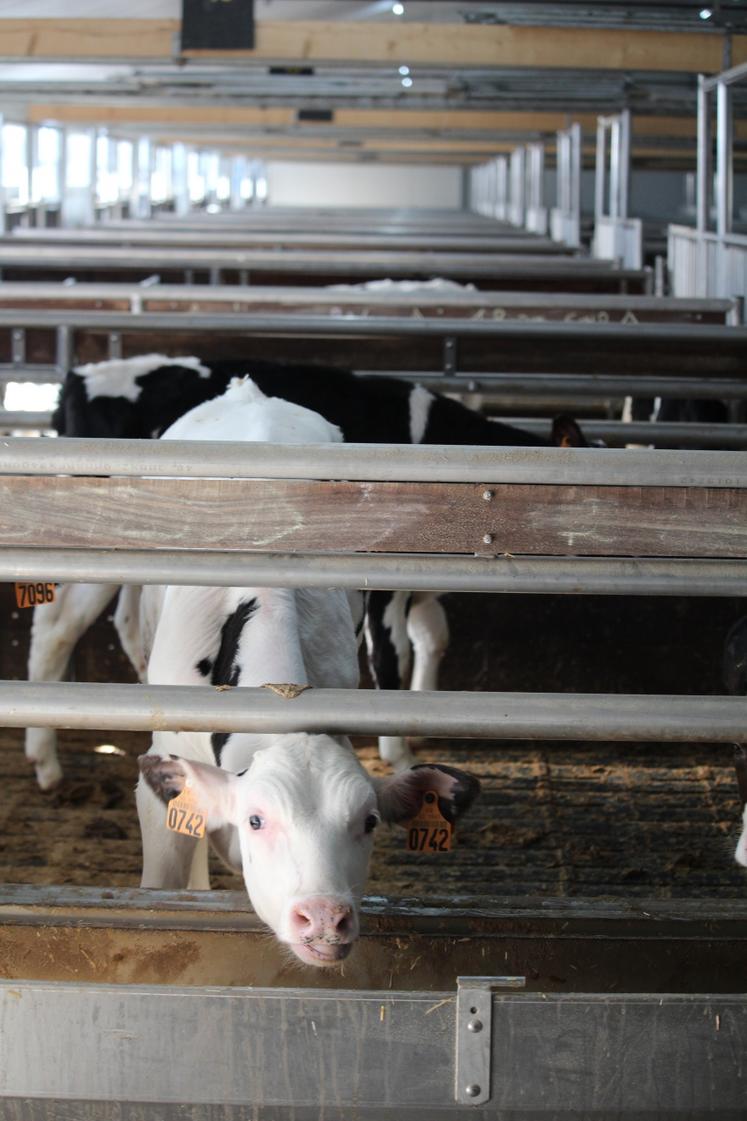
(727, 77)
(421, 573)
(24, 419)
(304, 1052)
(41, 373)
(546, 716)
(374, 462)
(35, 904)
(313, 262)
(661, 434)
(526, 384)
(367, 326)
(184, 295)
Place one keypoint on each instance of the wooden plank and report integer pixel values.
(261, 515)
(434, 44)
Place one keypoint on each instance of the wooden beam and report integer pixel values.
(70, 512)
(257, 119)
(243, 116)
(417, 44)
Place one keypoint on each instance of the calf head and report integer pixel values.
(566, 433)
(305, 812)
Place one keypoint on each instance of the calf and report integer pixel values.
(295, 813)
(138, 398)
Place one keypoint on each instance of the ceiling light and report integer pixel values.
(705, 13)
(407, 82)
(398, 9)
(404, 70)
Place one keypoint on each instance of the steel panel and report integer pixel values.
(599, 1055)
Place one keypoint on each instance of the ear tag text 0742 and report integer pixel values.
(429, 830)
(183, 815)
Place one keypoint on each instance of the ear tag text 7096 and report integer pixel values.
(183, 815)
(429, 830)
(34, 594)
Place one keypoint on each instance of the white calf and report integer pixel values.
(298, 817)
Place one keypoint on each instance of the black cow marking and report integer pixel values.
(226, 669)
(218, 741)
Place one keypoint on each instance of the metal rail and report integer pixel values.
(366, 326)
(478, 242)
(421, 573)
(597, 386)
(665, 434)
(310, 262)
(637, 467)
(546, 716)
(578, 303)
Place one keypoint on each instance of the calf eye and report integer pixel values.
(370, 823)
(255, 821)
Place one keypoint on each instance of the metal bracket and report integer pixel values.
(450, 355)
(474, 1029)
(18, 346)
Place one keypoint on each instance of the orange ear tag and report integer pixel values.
(34, 595)
(183, 815)
(429, 831)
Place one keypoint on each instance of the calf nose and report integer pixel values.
(321, 919)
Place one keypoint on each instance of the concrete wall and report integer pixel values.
(343, 184)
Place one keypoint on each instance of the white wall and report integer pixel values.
(349, 184)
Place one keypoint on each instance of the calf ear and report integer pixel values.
(401, 796)
(566, 433)
(214, 789)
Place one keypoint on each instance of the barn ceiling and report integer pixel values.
(324, 78)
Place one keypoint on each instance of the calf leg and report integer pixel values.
(428, 630)
(127, 623)
(55, 630)
(389, 658)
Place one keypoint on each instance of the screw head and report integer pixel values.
(473, 1090)
(487, 495)
(488, 539)
(474, 1025)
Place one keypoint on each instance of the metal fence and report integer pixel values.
(702, 261)
(643, 521)
(483, 1047)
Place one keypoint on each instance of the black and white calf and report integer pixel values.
(294, 813)
(138, 398)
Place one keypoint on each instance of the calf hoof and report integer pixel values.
(395, 751)
(41, 751)
(48, 774)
